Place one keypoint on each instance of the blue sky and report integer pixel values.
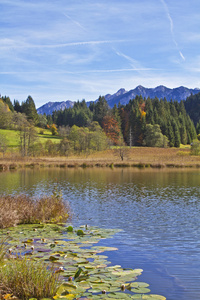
(57, 50)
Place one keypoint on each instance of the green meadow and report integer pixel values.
(13, 138)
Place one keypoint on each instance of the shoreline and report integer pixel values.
(138, 157)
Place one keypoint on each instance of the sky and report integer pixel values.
(58, 50)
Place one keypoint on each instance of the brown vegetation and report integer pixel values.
(22, 209)
(133, 157)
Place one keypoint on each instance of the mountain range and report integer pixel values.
(49, 107)
(123, 96)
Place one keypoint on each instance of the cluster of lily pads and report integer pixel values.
(84, 270)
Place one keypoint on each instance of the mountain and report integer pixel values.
(123, 96)
(49, 107)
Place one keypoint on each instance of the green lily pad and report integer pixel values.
(82, 264)
(148, 297)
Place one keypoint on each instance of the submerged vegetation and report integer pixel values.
(60, 262)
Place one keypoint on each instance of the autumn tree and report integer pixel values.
(111, 128)
(53, 129)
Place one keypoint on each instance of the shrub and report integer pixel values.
(25, 279)
(195, 148)
(23, 209)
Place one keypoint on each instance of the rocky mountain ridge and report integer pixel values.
(123, 96)
(49, 107)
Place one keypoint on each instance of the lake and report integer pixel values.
(157, 210)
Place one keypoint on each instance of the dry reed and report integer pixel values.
(23, 209)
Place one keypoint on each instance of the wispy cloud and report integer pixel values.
(172, 28)
(137, 66)
(14, 44)
(73, 21)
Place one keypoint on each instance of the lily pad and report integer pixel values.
(85, 272)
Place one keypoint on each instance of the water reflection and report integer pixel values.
(158, 211)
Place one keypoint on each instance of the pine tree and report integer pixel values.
(28, 107)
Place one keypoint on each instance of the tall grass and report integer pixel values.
(23, 209)
(25, 279)
(3, 248)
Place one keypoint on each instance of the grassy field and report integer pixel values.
(136, 156)
(12, 137)
(142, 157)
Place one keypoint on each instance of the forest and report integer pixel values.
(96, 126)
(136, 122)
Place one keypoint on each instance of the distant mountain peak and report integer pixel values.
(49, 107)
(123, 96)
(161, 91)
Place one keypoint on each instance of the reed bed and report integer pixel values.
(24, 279)
(22, 209)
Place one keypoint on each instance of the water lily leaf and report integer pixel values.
(66, 288)
(43, 250)
(78, 272)
(140, 290)
(119, 296)
(94, 291)
(80, 260)
(53, 258)
(122, 272)
(139, 284)
(103, 249)
(148, 297)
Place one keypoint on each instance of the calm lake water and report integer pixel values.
(158, 211)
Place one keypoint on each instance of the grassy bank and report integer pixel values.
(135, 157)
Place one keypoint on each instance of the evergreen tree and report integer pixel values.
(17, 106)
(177, 139)
(100, 110)
(28, 107)
(198, 127)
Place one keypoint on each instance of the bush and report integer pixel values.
(41, 131)
(25, 279)
(23, 209)
(195, 148)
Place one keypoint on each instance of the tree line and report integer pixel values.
(83, 127)
(135, 123)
